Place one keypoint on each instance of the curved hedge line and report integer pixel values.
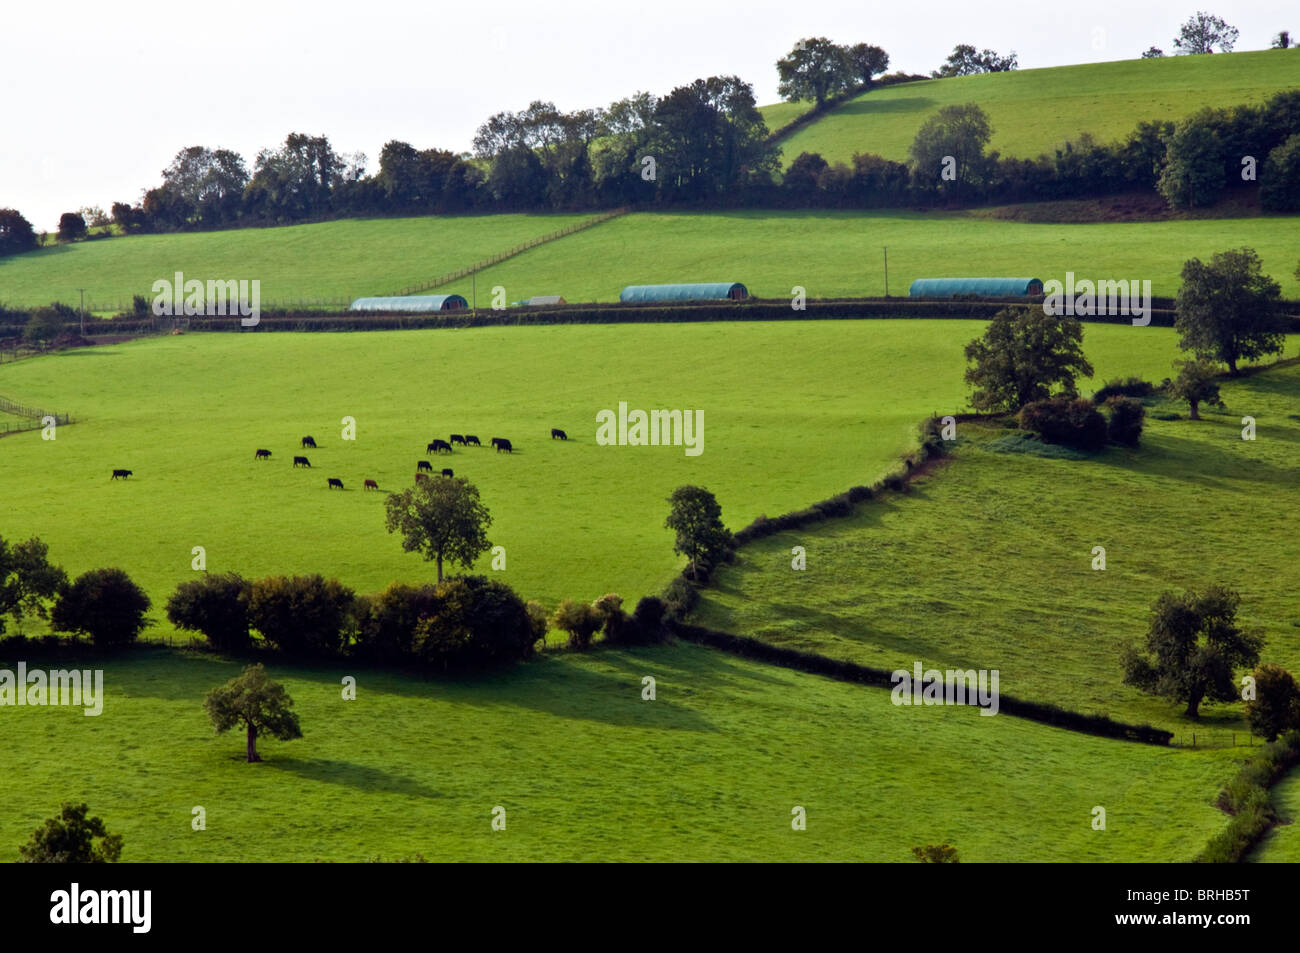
(1248, 800)
(843, 671)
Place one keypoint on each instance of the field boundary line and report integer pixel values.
(814, 663)
(509, 253)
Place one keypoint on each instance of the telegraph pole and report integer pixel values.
(83, 311)
(886, 271)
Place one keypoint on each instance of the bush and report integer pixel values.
(302, 616)
(1073, 421)
(69, 838)
(104, 604)
(217, 606)
(610, 606)
(1127, 417)
(680, 598)
(1279, 184)
(649, 617)
(579, 620)
(488, 620)
(1276, 705)
(386, 623)
(1124, 387)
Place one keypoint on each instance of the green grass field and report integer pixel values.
(586, 770)
(830, 253)
(793, 412)
(987, 562)
(1281, 845)
(839, 254)
(1037, 110)
(327, 261)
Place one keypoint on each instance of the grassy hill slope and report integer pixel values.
(839, 254)
(1034, 111)
(587, 770)
(327, 260)
(988, 562)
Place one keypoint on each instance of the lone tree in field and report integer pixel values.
(71, 227)
(1276, 705)
(1023, 354)
(1227, 310)
(814, 69)
(1203, 32)
(260, 704)
(1197, 383)
(28, 581)
(441, 518)
(1193, 649)
(696, 518)
(69, 838)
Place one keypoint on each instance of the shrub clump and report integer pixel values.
(1127, 417)
(1072, 421)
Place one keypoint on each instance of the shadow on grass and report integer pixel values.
(359, 776)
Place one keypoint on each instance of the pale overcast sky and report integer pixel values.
(96, 98)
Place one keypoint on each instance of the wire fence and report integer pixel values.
(1214, 739)
(33, 418)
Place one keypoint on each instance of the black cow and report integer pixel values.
(438, 446)
(332, 482)
(458, 438)
(120, 473)
(446, 471)
(557, 434)
(309, 442)
(301, 462)
(471, 439)
(262, 455)
(501, 443)
(423, 465)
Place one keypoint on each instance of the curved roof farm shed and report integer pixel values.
(985, 287)
(412, 303)
(715, 291)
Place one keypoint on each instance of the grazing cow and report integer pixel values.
(301, 462)
(262, 455)
(334, 482)
(424, 466)
(458, 438)
(557, 434)
(309, 442)
(446, 471)
(120, 473)
(438, 446)
(421, 476)
(501, 443)
(471, 439)
(371, 485)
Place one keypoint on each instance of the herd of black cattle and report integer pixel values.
(422, 467)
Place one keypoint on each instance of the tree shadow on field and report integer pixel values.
(697, 668)
(1199, 462)
(869, 104)
(359, 776)
(564, 686)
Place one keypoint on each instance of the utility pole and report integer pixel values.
(474, 293)
(83, 311)
(886, 271)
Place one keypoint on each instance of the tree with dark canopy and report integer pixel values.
(261, 705)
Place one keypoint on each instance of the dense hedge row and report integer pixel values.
(843, 671)
(1247, 799)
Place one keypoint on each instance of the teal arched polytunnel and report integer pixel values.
(709, 291)
(984, 287)
(411, 303)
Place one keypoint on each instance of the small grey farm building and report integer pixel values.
(983, 287)
(715, 291)
(411, 303)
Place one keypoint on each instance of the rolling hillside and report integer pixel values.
(1034, 111)
(323, 261)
